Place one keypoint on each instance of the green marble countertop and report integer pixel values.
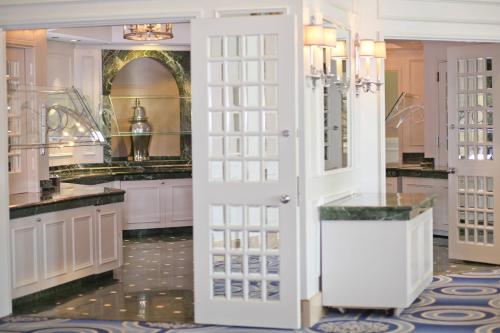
(123, 171)
(68, 197)
(377, 207)
(414, 170)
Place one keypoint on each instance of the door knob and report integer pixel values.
(285, 198)
(452, 170)
(285, 133)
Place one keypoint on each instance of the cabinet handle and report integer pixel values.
(163, 183)
(38, 219)
(98, 210)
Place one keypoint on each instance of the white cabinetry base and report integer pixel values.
(376, 264)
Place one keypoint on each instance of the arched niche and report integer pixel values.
(158, 91)
(176, 62)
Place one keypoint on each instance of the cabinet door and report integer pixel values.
(178, 201)
(391, 185)
(55, 234)
(109, 237)
(26, 261)
(82, 226)
(439, 187)
(143, 204)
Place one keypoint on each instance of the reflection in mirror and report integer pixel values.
(336, 106)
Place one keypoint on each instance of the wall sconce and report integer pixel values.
(315, 37)
(339, 55)
(366, 51)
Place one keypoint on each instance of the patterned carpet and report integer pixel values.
(457, 303)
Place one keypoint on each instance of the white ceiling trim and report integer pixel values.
(482, 12)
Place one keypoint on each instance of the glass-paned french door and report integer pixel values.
(244, 171)
(474, 152)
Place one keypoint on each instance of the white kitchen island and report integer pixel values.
(376, 250)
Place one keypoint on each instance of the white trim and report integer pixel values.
(5, 235)
(245, 12)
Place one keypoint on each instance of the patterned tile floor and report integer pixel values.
(155, 283)
(155, 288)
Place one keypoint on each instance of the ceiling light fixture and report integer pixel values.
(148, 32)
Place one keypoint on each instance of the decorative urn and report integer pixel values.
(141, 133)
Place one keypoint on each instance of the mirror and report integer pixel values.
(337, 118)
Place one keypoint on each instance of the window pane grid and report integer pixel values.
(244, 254)
(475, 102)
(476, 210)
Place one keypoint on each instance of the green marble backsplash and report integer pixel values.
(176, 62)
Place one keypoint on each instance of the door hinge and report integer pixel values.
(438, 141)
(437, 76)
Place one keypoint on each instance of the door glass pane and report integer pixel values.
(216, 47)
(255, 289)
(218, 239)
(234, 72)
(253, 171)
(254, 240)
(219, 288)
(236, 288)
(273, 265)
(217, 215)
(216, 72)
(273, 290)
(254, 216)
(235, 215)
(252, 71)
(270, 45)
(254, 265)
(233, 46)
(236, 264)
(252, 46)
(219, 264)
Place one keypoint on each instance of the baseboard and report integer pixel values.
(311, 310)
(174, 231)
(48, 297)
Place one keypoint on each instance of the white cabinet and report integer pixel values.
(54, 248)
(439, 187)
(391, 184)
(153, 204)
(143, 204)
(109, 238)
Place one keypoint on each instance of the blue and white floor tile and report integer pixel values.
(458, 303)
(462, 298)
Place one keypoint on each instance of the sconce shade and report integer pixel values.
(380, 51)
(340, 50)
(330, 36)
(366, 48)
(313, 35)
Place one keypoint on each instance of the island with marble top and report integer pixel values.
(376, 250)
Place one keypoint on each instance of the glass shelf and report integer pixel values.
(41, 117)
(167, 115)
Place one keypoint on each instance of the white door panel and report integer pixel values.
(474, 113)
(246, 241)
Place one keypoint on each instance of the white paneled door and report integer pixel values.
(246, 250)
(474, 152)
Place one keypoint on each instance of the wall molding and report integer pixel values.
(420, 11)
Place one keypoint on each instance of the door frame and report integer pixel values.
(86, 18)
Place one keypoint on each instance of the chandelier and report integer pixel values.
(148, 32)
